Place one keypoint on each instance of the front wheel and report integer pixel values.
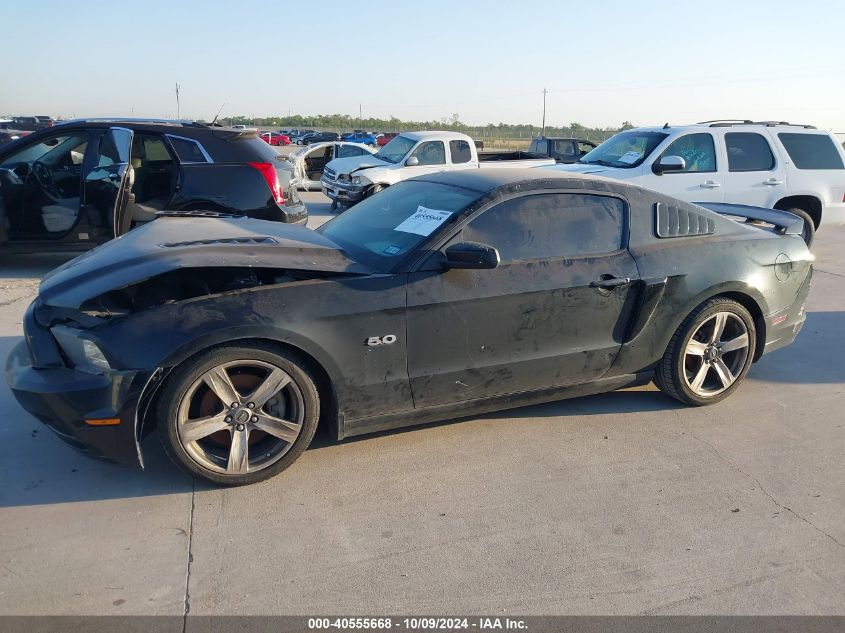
(709, 354)
(238, 414)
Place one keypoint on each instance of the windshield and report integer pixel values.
(624, 150)
(396, 149)
(378, 231)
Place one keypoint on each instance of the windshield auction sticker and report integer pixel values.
(630, 157)
(424, 221)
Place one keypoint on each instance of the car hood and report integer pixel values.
(169, 243)
(580, 168)
(348, 165)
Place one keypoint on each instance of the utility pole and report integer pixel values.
(543, 133)
(177, 102)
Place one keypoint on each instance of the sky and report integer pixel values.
(603, 62)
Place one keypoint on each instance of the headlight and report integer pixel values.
(343, 178)
(356, 180)
(83, 353)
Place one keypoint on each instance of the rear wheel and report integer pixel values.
(809, 231)
(238, 414)
(709, 354)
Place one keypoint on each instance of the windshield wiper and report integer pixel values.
(603, 163)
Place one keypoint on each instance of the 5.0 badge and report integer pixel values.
(387, 339)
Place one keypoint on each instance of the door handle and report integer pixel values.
(773, 182)
(710, 184)
(607, 282)
(114, 177)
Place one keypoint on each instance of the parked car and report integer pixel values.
(562, 149)
(350, 180)
(431, 300)
(27, 123)
(384, 138)
(360, 137)
(319, 137)
(274, 138)
(84, 182)
(794, 168)
(7, 135)
(297, 138)
(309, 162)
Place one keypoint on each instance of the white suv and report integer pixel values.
(769, 164)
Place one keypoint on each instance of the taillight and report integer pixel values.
(272, 179)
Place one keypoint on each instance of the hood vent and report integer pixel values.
(222, 240)
(672, 221)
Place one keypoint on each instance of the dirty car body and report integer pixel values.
(423, 303)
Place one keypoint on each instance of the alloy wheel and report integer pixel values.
(240, 417)
(715, 354)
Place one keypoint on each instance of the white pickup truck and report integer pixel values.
(350, 180)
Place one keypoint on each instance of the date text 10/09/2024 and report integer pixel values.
(418, 624)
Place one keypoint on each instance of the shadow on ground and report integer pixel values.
(38, 468)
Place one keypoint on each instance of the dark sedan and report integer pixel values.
(319, 137)
(84, 182)
(442, 296)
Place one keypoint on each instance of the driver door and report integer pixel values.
(109, 182)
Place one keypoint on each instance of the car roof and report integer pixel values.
(562, 138)
(434, 134)
(705, 125)
(486, 180)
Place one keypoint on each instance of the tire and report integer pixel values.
(334, 205)
(375, 189)
(724, 361)
(273, 432)
(809, 232)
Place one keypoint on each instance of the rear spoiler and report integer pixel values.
(788, 223)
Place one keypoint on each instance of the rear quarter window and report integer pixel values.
(811, 151)
(190, 151)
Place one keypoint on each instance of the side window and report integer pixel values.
(431, 153)
(583, 148)
(349, 150)
(551, 225)
(811, 151)
(748, 151)
(564, 149)
(460, 151)
(113, 148)
(153, 149)
(188, 150)
(697, 150)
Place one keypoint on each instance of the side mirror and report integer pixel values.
(471, 255)
(669, 163)
(413, 161)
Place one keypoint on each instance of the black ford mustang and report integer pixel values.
(442, 296)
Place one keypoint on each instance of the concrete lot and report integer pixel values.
(613, 504)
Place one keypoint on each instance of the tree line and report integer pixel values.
(345, 122)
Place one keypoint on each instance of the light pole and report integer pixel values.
(543, 133)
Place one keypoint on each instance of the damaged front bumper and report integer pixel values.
(74, 404)
(343, 193)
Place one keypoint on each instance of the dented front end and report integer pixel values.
(107, 326)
